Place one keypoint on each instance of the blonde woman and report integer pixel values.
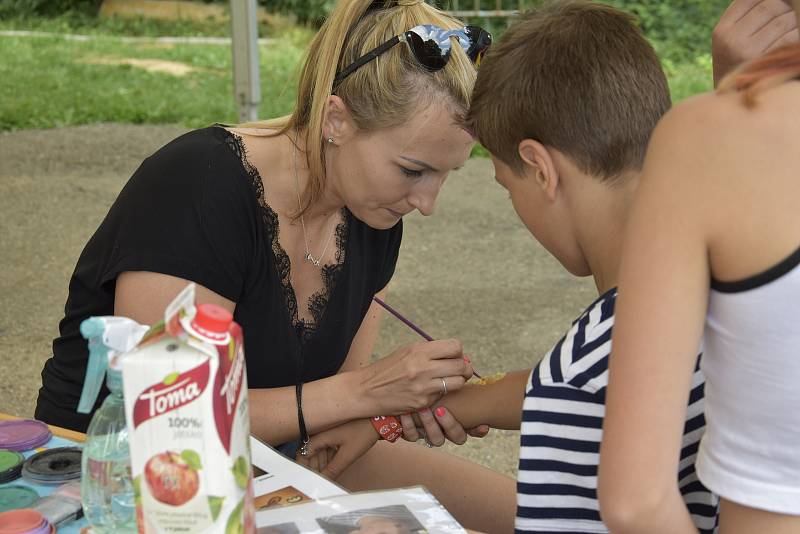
(294, 225)
(712, 254)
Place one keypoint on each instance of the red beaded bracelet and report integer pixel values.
(388, 427)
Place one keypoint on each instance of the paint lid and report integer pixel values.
(23, 434)
(15, 497)
(53, 466)
(10, 465)
(24, 521)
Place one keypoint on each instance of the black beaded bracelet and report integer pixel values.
(300, 420)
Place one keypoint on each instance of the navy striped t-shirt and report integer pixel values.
(562, 422)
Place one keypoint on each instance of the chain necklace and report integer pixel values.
(316, 262)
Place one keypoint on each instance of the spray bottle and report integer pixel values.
(107, 491)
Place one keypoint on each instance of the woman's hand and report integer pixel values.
(435, 425)
(414, 377)
(333, 451)
(748, 29)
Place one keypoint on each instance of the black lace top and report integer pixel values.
(196, 210)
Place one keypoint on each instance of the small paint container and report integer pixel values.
(23, 434)
(25, 521)
(17, 496)
(10, 465)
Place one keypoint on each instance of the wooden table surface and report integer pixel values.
(56, 430)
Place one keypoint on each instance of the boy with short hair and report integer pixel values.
(565, 103)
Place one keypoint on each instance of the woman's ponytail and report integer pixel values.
(775, 68)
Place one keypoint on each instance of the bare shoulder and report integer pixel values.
(715, 122)
(713, 150)
(713, 135)
(697, 118)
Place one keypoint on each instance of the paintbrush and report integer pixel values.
(411, 325)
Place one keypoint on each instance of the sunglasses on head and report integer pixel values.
(430, 46)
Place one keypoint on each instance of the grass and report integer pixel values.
(51, 82)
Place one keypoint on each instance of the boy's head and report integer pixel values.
(572, 88)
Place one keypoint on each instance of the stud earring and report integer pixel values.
(330, 140)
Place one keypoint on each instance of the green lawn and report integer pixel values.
(49, 82)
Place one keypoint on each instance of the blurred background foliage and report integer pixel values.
(56, 82)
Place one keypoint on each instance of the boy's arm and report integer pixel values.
(498, 404)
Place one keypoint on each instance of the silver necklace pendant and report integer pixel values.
(309, 258)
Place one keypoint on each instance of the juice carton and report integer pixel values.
(185, 390)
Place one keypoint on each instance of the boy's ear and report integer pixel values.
(337, 123)
(539, 166)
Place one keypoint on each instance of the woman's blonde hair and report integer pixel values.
(381, 94)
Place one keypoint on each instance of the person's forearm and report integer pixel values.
(326, 403)
(498, 405)
(649, 511)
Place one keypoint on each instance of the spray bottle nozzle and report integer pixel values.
(108, 337)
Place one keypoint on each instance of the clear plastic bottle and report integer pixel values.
(106, 486)
(107, 491)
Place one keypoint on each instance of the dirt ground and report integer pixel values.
(471, 271)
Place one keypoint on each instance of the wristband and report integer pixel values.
(301, 422)
(388, 427)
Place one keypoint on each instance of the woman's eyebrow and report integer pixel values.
(420, 163)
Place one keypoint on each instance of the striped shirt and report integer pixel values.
(562, 423)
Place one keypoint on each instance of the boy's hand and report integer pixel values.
(748, 29)
(336, 449)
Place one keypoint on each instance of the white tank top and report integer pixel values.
(750, 452)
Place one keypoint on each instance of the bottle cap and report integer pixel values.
(23, 434)
(212, 321)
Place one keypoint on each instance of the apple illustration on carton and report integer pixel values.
(171, 477)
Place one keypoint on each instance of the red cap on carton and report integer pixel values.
(212, 321)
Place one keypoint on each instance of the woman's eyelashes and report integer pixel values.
(411, 173)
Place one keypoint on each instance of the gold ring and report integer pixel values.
(444, 387)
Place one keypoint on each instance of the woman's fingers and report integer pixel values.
(479, 431)
(442, 349)
(433, 431)
(314, 459)
(456, 366)
(344, 457)
(776, 29)
(410, 432)
(441, 386)
(415, 376)
(790, 37)
(450, 426)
